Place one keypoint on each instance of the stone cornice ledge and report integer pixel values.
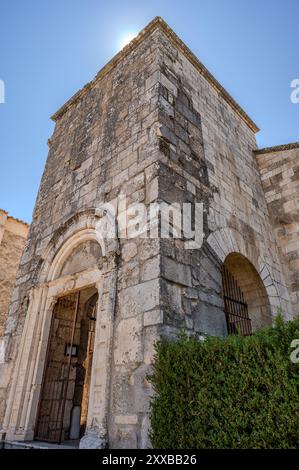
(277, 148)
(158, 22)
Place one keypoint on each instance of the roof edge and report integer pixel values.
(277, 148)
(18, 220)
(14, 218)
(158, 22)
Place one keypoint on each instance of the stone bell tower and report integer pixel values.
(156, 127)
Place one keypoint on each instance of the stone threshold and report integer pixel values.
(73, 444)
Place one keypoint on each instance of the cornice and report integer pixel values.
(277, 148)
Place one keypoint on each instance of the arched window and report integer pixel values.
(246, 302)
(235, 306)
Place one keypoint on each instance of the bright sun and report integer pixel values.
(126, 38)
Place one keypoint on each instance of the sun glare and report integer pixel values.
(126, 38)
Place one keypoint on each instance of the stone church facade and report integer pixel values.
(154, 125)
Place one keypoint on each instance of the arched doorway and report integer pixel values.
(71, 262)
(63, 405)
(246, 302)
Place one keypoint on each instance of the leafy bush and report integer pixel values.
(234, 392)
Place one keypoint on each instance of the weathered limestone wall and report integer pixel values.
(103, 145)
(13, 235)
(210, 159)
(279, 168)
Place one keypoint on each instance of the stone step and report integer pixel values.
(39, 445)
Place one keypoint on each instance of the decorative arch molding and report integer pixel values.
(53, 265)
(21, 411)
(85, 226)
(227, 240)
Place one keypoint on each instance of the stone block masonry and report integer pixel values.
(13, 234)
(155, 126)
(279, 169)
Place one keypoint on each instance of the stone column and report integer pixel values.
(96, 435)
(16, 424)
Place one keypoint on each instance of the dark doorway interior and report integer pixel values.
(63, 403)
(246, 301)
(235, 306)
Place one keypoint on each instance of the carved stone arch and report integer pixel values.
(81, 228)
(270, 286)
(50, 285)
(66, 249)
(226, 241)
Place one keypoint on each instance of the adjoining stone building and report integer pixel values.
(156, 126)
(13, 234)
(279, 169)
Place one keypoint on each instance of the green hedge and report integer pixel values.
(232, 392)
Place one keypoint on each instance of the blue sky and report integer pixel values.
(51, 48)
